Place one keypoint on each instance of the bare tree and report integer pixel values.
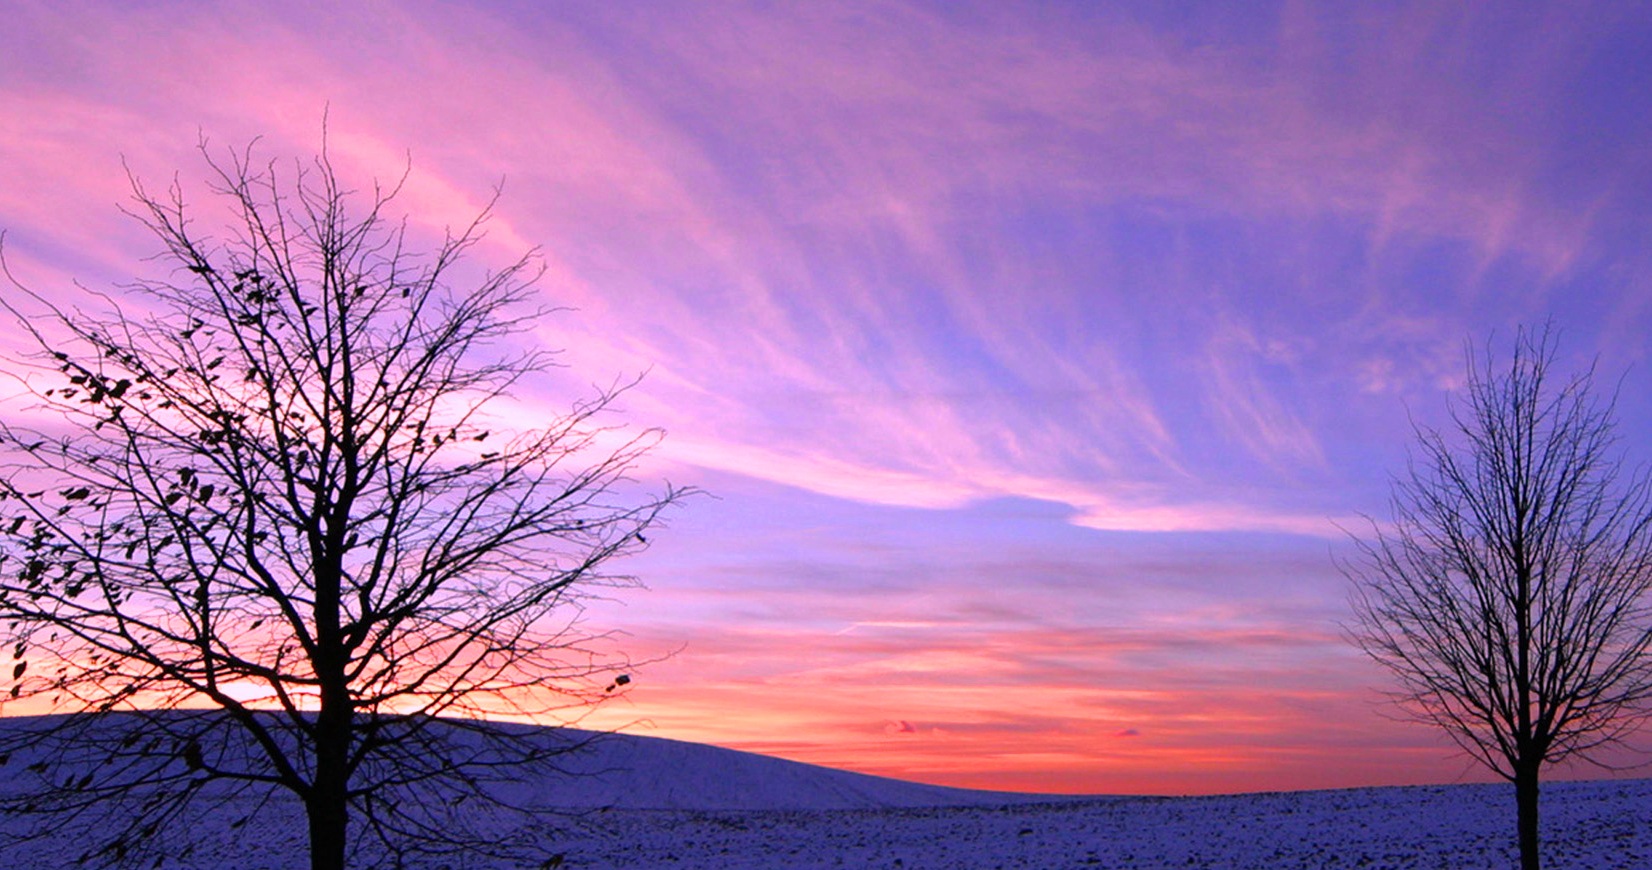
(1510, 594)
(264, 538)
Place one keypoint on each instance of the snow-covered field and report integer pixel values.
(648, 803)
(1589, 825)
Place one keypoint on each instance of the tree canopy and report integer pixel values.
(270, 509)
(1511, 593)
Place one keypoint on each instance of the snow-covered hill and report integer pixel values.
(634, 772)
(627, 771)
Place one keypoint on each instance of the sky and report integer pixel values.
(1034, 356)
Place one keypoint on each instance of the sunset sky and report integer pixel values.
(1033, 353)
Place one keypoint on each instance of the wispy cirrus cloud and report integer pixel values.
(876, 210)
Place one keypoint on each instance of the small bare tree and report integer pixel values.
(1510, 595)
(265, 538)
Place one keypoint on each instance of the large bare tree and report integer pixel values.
(265, 533)
(1510, 593)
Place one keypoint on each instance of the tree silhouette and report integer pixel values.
(264, 531)
(1510, 594)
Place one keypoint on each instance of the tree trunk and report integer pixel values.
(1525, 796)
(328, 805)
(328, 821)
(328, 801)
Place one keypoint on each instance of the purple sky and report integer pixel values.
(1033, 351)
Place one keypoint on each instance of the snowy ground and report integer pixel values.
(648, 803)
(1588, 825)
